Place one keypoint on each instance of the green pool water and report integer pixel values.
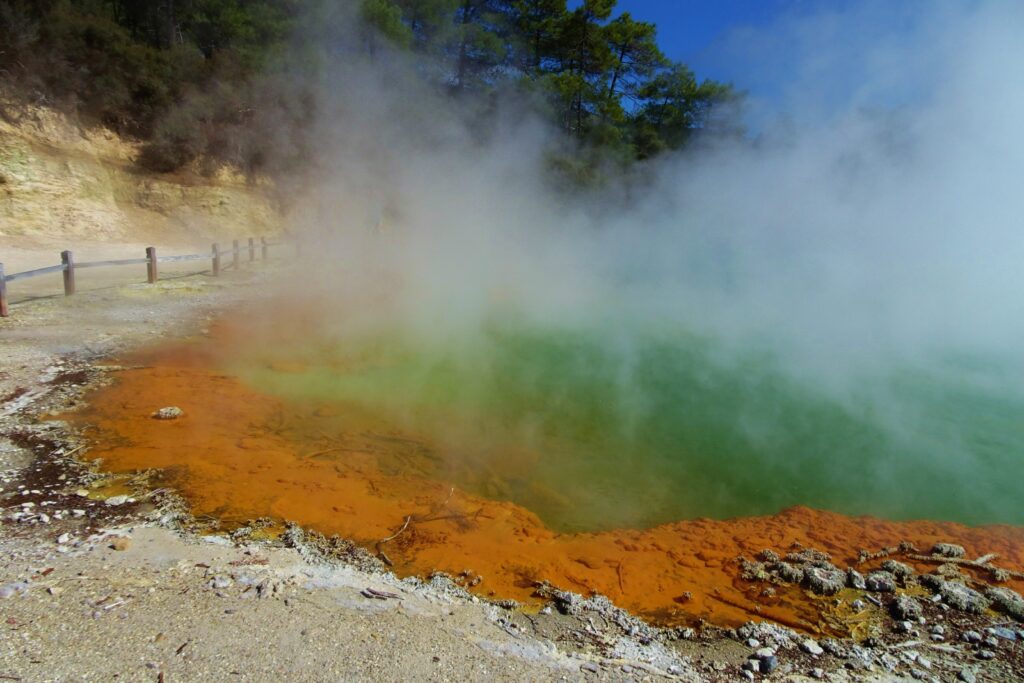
(594, 431)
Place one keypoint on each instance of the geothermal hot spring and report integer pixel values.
(639, 464)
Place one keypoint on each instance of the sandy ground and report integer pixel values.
(129, 588)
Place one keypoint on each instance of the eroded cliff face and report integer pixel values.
(58, 179)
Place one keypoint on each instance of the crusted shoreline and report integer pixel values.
(62, 518)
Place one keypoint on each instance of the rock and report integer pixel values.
(769, 664)
(880, 582)
(63, 538)
(1004, 633)
(834, 648)
(986, 654)
(991, 642)
(764, 653)
(812, 648)
(12, 589)
(82, 493)
(769, 555)
(818, 674)
(854, 579)
(168, 413)
(963, 598)
(905, 607)
(823, 581)
(967, 676)
(788, 572)
(749, 675)
(904, 627)
(590, 667)
(898, 569)
(938, 629)
(753, 643)
(1007, 601)
(752, 665)
(857, 605)
(114, 501)
(120, 543)
(220, 582)
(948, 550)
(78, 513)
(971, 637)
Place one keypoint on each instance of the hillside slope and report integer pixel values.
(61, 181)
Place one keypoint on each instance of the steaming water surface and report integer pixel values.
(592, 434)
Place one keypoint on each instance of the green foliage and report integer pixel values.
(200, 79)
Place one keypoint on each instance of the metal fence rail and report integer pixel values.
(68, 266)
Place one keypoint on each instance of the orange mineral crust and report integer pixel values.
(237, 454)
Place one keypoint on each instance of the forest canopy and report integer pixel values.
(193, 79)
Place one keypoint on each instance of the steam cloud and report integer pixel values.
(871, 230)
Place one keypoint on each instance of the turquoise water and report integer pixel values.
(595, 432)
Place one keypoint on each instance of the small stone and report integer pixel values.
(749, 675)
(938, 638)
(904, 626)
(819, 674)
(854, 579)
(880, 582)
(54, 590)
(220, 582)
(948, 550)
(986, 654)
(857, 605)
(168, 413)
(811, 647)
(63, 538)
(938, 629)
(114, 501)
(924, 662)
(752, 665)
(971, 637)
(824, 581)
(590, 667)
(963, 598)
(1007, 601)
(898, 569)
(967, 676)
(1004, 633)
(78, 513)
(905, 607)
(753, 643)
(764, 653)
(82, 493)
(991, 642)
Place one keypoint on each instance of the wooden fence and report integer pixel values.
(69, 267)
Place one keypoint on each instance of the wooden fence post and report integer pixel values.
(216, 260)
(151, 270)
(3, 294)
(264, 248)
(68, 259)
(234, 250)
(252, 250)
